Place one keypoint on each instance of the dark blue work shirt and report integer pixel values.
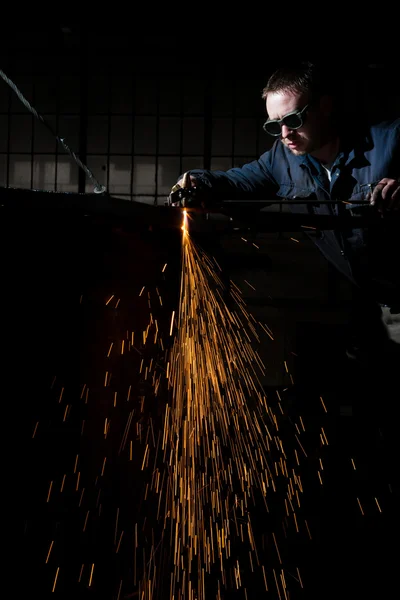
(365, 157)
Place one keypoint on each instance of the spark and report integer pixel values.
(172, 322)
(359, 504)
(298, 573)
(91, 575)
(119, 543)
(276, 546)
(109, 300)
(86, 520)
(48, 495)
(308, 529)
(294, 240)
(219, 431)
(48, 554)
(220, 443)
(323, 404)
(55, 579)
(324, 434)
(249, 284)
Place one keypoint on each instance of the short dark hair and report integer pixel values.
(299, 77)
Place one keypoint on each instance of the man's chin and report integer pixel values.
(297, 150)
(300, 152)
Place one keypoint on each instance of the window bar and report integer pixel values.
(234, 87)
(57, 130)
(83, 124)
(109, 79)
(181, 116)
(8, 138)
(207, 124)
(133, 115)
(33, 88)
(157, 136)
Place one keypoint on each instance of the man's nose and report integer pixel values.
(285, 131)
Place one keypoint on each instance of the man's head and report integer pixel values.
(302, 93)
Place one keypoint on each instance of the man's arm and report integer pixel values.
(252, 181)
(386, 195)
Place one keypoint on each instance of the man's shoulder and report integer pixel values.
(379, 135)
(384, 127)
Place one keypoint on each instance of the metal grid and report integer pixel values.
(137, 133)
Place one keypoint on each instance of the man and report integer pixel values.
(320, 155)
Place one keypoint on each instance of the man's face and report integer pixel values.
(313, 134)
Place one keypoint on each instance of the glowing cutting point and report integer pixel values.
(185, 221)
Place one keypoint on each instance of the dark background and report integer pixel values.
(139, 110)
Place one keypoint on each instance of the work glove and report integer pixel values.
(188, 193)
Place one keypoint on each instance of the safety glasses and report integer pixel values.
(293, 120)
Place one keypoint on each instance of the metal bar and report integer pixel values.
(22, 202)
(290, 201)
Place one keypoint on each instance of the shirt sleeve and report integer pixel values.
(252, 181)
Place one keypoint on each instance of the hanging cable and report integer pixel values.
(98, 187)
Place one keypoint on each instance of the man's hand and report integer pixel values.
(188, 193)
(386, 196)
(188, 181)
(176, 197)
